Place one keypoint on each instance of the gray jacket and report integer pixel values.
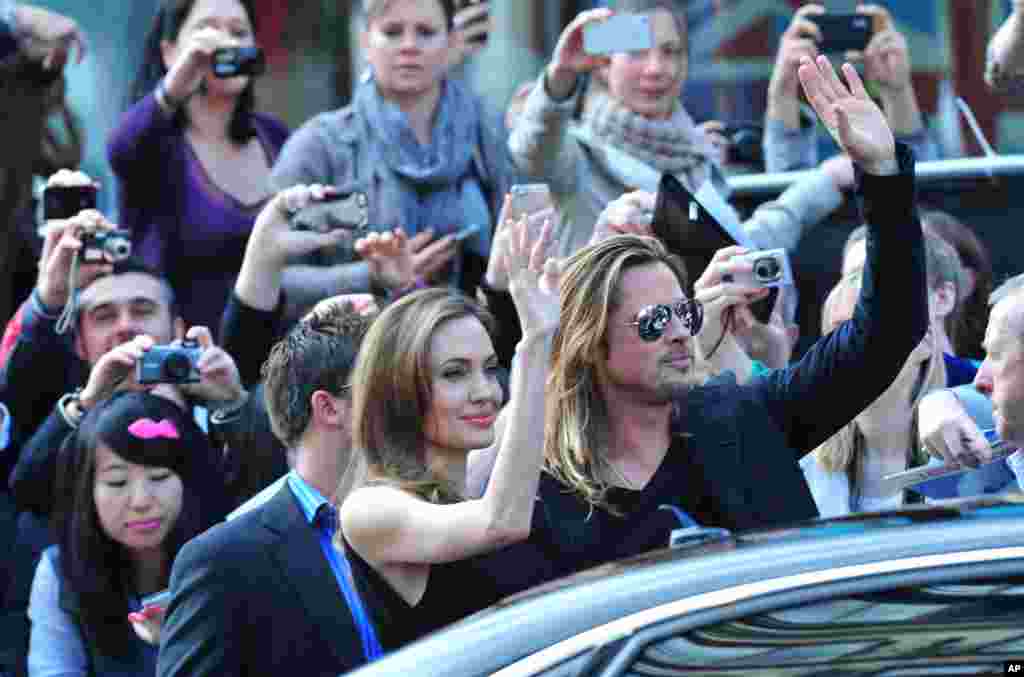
(543, 148)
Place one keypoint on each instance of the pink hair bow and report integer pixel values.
(147, 429)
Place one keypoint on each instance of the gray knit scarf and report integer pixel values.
(673, 145)
(440, 195)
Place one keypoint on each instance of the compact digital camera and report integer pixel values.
(170, 364)
(338, 211)
(770, 268)
(744, 144)
(103, 246)
(65, 202)
(230, 62)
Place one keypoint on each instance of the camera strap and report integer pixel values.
(67, 316)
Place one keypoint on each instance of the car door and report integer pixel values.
(957, 613)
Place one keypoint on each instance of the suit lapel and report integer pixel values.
(303, 565)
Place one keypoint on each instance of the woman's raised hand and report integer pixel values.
(533, 277)
(570, 59)
(856, 123)
(193, 59)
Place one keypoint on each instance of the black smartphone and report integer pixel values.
(337, 211)
(843, 32)
(65, 202)
(230, 62)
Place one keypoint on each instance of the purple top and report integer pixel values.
(181, 223)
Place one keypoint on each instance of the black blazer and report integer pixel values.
(256, 596)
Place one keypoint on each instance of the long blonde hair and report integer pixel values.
(844, 451)
(576, 436)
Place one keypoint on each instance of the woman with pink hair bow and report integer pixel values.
(135, 482)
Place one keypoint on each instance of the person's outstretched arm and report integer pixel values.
(387, 526)
(849, 368)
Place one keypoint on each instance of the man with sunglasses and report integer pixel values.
(640, 444)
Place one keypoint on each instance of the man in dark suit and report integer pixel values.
(266, 591)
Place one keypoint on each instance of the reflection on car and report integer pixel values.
(925, 590)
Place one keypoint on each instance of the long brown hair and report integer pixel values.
(576, 435)
(391, 394)
(845, 450)
(32, 95)
(966, 327)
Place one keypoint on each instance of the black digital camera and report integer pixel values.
(104, 246)
(843, 32)
(65, 202)
(744, 144)
(230, 62)
(170, 364)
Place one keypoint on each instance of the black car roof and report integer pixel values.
(520, 625)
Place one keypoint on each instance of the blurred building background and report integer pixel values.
(312, 66)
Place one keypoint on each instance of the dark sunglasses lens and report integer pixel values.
(651, 322)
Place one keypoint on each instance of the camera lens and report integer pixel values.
(767, 270)
(177, 367)
(119, 248)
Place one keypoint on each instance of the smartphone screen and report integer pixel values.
(618, 33)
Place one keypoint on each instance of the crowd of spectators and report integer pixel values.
(252, 444)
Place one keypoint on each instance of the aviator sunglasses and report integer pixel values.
(652, 321)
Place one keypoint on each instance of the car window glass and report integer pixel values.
(973, 624)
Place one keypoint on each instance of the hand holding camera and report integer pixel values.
(887, 55)
(731, 280)
(800, 40)
(570, 58)
(204, 371)
(86, 234)
(49, 37)
(208, 50)
(114, 371)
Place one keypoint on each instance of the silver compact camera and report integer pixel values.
(769, 268)
(106, 245)
(170, 364)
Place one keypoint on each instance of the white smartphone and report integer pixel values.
(526, 199)
(618, 33)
